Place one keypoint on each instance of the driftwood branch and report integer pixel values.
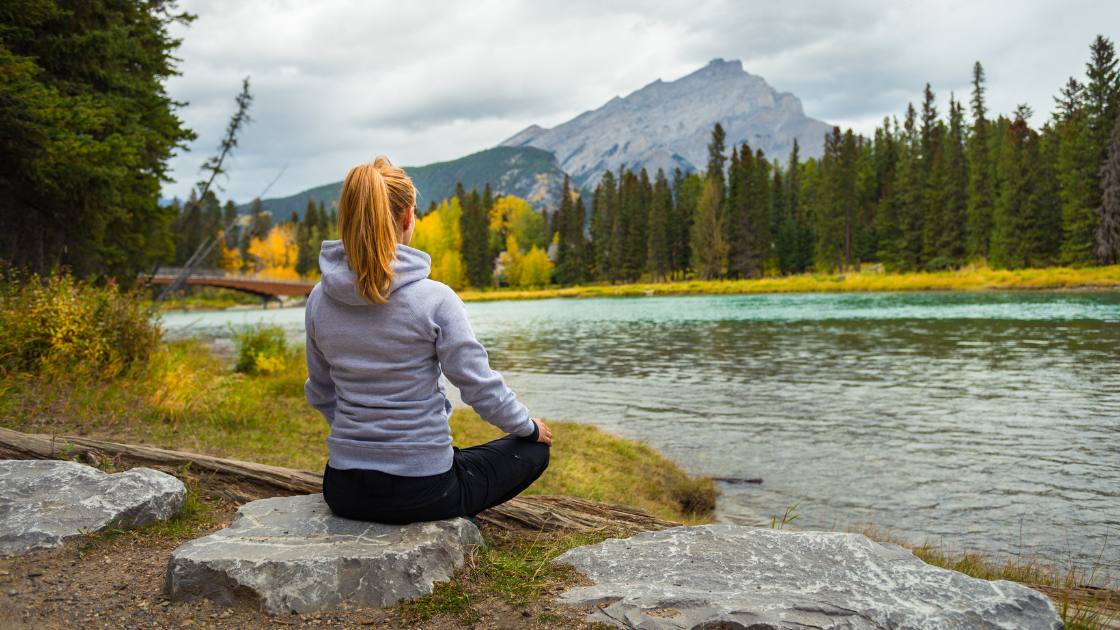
(244, 481)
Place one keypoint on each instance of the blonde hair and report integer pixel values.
(374, 202)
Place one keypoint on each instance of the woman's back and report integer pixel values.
(374, 368)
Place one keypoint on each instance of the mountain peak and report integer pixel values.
(667, 124)
(720, 62)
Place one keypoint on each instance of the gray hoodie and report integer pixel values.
(374, 369)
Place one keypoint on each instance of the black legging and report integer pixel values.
(480, 477)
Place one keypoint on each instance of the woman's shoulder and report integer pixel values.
(426, 294)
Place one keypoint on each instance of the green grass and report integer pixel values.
(517, 570)
(969, 278)
(195, 517)
(589, 463)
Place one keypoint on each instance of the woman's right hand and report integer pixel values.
(544, 434)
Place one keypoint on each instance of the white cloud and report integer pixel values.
(336, 82)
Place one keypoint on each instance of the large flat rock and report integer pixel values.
(45, 502)
(291, 554)
(731, 576)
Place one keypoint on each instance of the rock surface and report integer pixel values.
(668, 125)
(730, 576)
(45, 502)
(290, 554)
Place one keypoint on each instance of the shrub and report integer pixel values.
(63, 322)
(261, 349)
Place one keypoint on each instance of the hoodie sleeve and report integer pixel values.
(319, 387)
(464, 361)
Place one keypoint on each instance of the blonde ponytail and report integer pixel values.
(374, 202)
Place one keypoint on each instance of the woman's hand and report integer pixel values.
(544, 434)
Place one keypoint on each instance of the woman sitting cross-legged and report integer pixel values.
(379, 335)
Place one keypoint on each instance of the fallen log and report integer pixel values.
(242, 481)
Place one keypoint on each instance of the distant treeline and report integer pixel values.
(928, 193)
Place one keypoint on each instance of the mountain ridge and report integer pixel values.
(527, 172)
(667, 124)
(663, 124)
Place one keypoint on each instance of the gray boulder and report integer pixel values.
(290, 554)
(730, 576)
(45, 502)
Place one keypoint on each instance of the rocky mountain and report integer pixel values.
(669, 124)
(663, 125)
(527, 172)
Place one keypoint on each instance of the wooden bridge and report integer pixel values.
(266, 288)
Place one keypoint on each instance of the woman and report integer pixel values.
(379, 335)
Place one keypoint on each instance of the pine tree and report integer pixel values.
(1102, 94)
(1041, 229)
(780, 216)
(569, 231)
(981, 175)
(582, 251)
(687, 190)
(487, 198)
(716, 157)
(709, 252)
(865, 239)
(659, 255)
(944, 230)
(930, 133)
(1013, 170)
(474, 231)
(1075, 166)
(832, 206)
(188, 229)
(307, 255)
(620, 225)
(601, 217)
(792, 233)
(736, 223)
(759, 202)
(1108, 231)
(636, 208)
(952, 243)
(328, 222)
(901, 221)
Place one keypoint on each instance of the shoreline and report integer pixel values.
(969, 279)
(973, 279)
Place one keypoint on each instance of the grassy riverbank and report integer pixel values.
(186, 398)
(970, 278)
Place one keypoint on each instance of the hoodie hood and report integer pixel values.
(338, 280)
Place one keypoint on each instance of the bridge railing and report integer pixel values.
(225, 273)
(208, 273)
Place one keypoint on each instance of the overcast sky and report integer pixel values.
(337, 82)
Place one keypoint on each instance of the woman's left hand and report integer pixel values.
(544, 434)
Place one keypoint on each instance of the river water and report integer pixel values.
(986, 421)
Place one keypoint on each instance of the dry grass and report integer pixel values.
(969, 278)
(1081, 601)
(589, 463)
